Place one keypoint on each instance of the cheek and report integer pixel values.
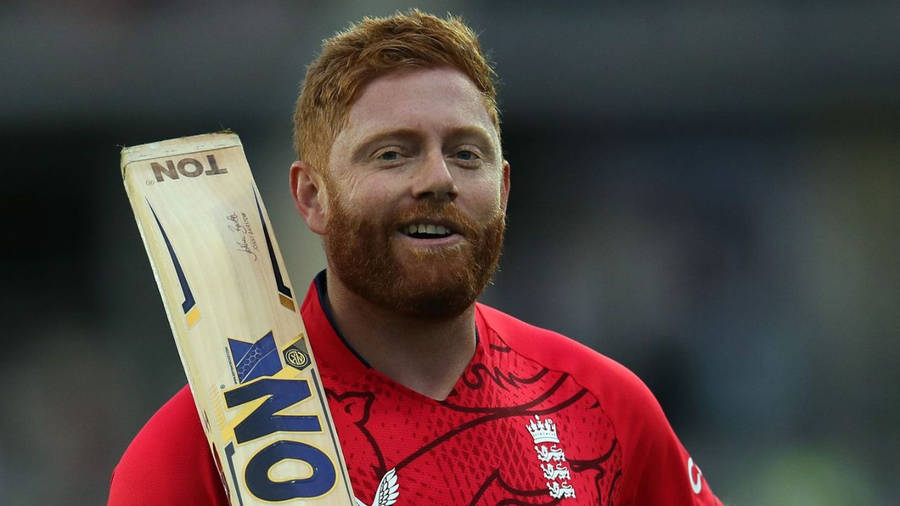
(486, 195)
(357, 191)
(482, 206)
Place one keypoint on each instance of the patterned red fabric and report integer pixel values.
(535, 418)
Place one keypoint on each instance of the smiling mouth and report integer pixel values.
(426, 231)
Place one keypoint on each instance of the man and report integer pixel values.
(401, 172)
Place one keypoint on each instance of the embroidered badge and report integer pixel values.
(552, 457)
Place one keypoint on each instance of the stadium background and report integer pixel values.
(704, 191)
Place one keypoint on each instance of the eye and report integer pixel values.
(388, 156)
(467, 158)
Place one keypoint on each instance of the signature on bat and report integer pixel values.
(245, 239)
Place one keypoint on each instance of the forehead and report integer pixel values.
(425, 99)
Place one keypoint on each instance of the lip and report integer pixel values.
(437, 242)
(455, 236)
(448, 224)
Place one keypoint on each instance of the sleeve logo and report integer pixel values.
(696, 483)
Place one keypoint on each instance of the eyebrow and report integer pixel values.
(404, 134)
(482, 137)
(412, 135)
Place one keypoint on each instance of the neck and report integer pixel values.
(426, 355)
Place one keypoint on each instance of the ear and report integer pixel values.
(504, 189)
(310, 197)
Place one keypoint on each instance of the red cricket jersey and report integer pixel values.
(535, 418)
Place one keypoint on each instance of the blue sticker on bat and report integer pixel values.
(252, 360)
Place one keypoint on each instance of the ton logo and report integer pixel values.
(265, 420)
(188, 167)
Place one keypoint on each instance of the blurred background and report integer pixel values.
(708, 192)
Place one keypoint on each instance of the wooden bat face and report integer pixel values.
(234, 317)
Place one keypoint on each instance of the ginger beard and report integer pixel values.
(431, 282)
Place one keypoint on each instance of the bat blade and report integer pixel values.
(234, 315)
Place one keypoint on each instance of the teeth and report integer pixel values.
(427, 229)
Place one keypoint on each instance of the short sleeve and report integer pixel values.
(660, 471)
(168, 462)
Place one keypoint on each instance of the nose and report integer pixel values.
(433, 179)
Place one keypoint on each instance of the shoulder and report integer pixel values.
(657, 468)
(623, 396)
(595, 371)
(169, 461)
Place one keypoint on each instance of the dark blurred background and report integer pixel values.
(707, 192)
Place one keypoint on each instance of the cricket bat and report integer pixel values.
(234, 315)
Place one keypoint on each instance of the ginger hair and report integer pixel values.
(372, 48)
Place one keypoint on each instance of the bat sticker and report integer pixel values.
(189, 306)
(284, 293)
(252, 360)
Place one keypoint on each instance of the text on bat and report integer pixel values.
(263, 421)
(188, 167)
